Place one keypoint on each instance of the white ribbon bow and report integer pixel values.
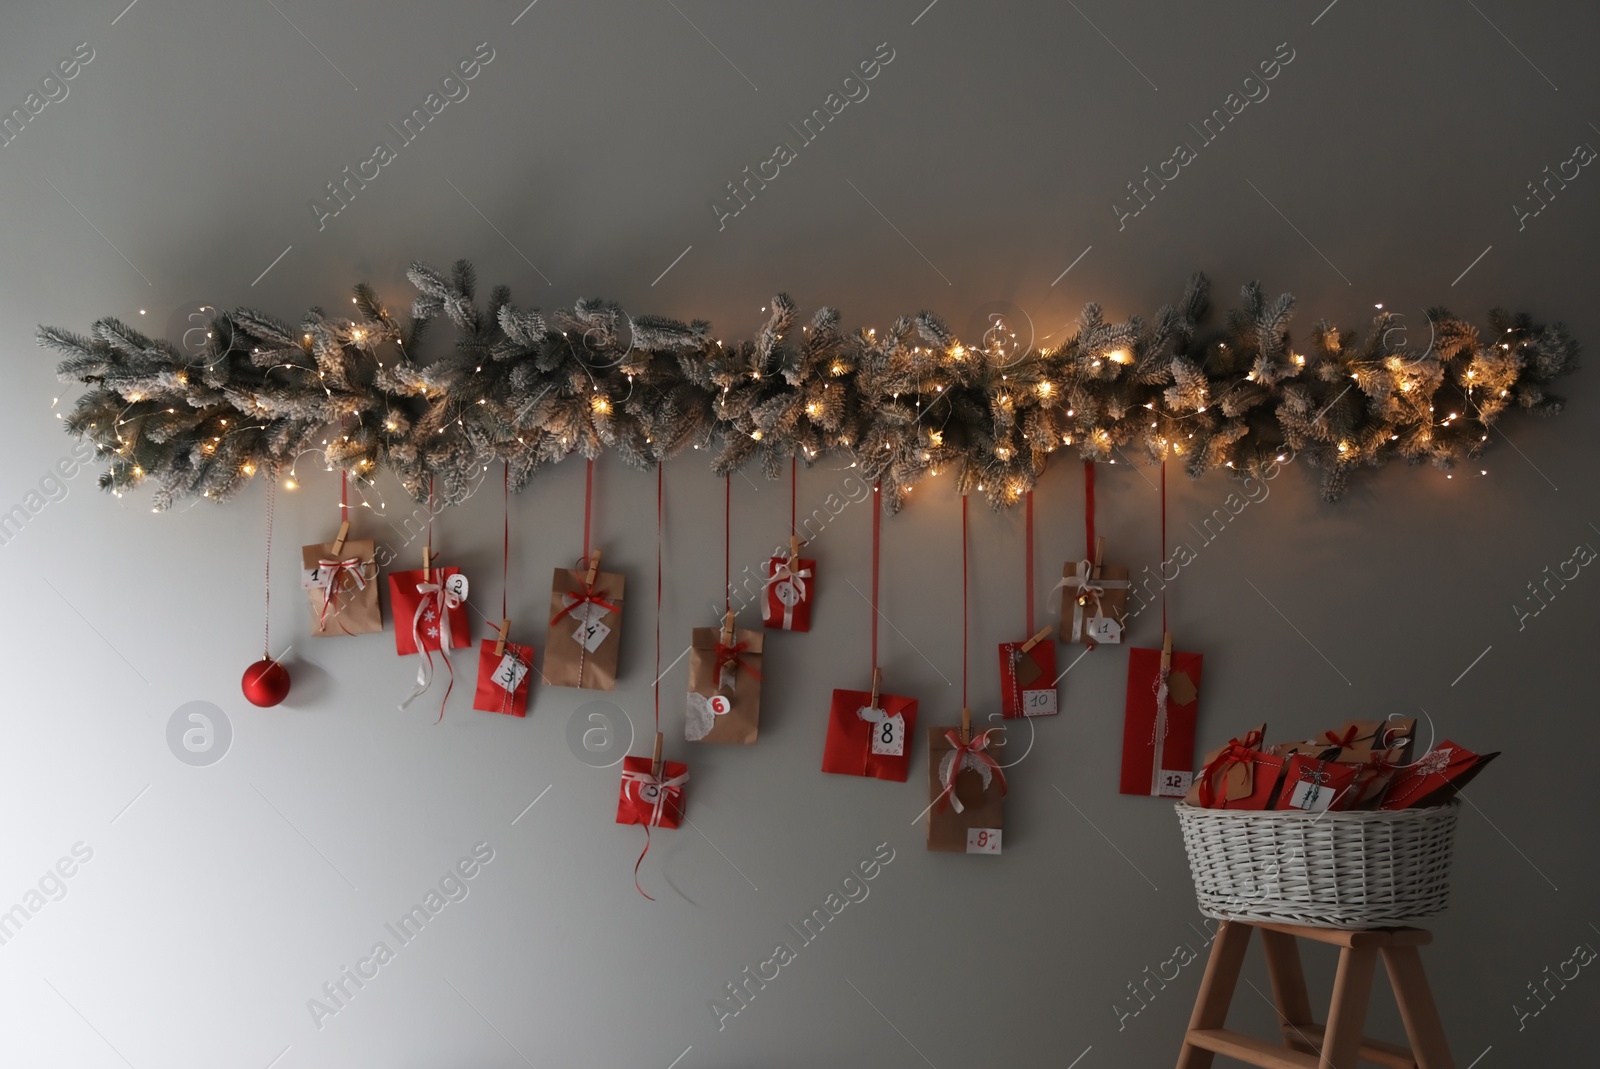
(653, 789)
(443, 598)
(331, 571)
(969, 759)
(1086, 587)
(795, 580)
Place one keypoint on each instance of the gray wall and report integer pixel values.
(219, 899)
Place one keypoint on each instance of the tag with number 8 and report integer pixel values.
(888, 732)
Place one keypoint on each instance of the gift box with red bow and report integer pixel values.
(1238, 775)
(724, 701)
(787, 590)
(867, 739)
(1435, 778)
(967, 787)
(504, 678)
(655, 801)
(341, 582)
(585, 621)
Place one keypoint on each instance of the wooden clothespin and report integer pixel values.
(1166, 651)
(727, 629)
(594, 567)
(655, 759)
(794, 553)
(966, 725)
(500, 641)
(427, 562)
(1044, 633)
(1099, 554)
(344, 533)
(877, 686)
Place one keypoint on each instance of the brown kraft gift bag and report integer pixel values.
(585, 621)
(341, 582)
(724, 686)
(968, 818)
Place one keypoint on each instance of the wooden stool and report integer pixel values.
(1306, 1044)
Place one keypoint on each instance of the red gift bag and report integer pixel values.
(786, 594)
(503, 678)
(1313, 784)
(429, 614)
(1028, 679)
(1158, 724)
(879, 747)
(649, 800)
(1238, 775)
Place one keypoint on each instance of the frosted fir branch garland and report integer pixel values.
(905, 404)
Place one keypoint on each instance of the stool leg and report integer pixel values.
(1216, 989)
(1347, 1013)
(1423, 1029)
(1288, 989)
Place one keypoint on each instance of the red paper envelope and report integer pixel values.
(648, 800)
(1157, 743)
(503, 678)
(1314, 785)
(787, 594)
(1028, 680)
(879, 748)
(419, 623)
(1435, 778)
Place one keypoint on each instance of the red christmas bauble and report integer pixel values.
(265, 683)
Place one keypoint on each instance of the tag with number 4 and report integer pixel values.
(591, 634)
(888, 732)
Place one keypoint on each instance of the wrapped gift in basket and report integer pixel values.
(1341, 832)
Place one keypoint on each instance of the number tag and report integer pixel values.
(1312, 797)
(983, 840)
(649, 792)
(1104, 629)
(788, 594)
(456, 585)
(1174, 784)
(590, 634)
(510, 673)
(1040, 702)
(312, 578)
(888, 732)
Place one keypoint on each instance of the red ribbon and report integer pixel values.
(1347, 739)
(958, 760)
(590, 594)
(729, 657)
(1237, 752)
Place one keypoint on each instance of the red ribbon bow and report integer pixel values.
(1235, 753)
(966, 755)
(598, 597)
(729, 657)
(1347, 739)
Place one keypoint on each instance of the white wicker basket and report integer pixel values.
(1358, 869)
